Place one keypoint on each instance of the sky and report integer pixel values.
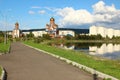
(35, 14)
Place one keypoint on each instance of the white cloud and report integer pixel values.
(101, 7)
(35, 7)
(107, 16)
(102, 15)
(41, 12)
(51, 9)
(72, 17)
(31, 12)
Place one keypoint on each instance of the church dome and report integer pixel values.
(52, 19)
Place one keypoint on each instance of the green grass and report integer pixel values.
(4, 47)
(110, 67)
(0, 70)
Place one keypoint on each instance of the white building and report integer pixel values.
(16, 33)
(101, 31)
(117, 32)
(110, 32)
(94, 30)
(39, 33)
(66, 32)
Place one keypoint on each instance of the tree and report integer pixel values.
(30, 35)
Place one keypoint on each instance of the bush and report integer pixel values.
(38, 40)
(1, 39)
(69, 37)
(46, 37)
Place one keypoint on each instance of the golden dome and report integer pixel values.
(52, 19)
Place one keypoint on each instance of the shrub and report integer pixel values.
(38, 40)
(46, 36)
(1, 39)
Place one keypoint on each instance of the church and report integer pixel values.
(52, 28)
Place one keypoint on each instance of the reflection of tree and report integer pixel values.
(88, 37)
(69, 44)
(86, 45)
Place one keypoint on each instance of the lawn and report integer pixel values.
(109, 67)
(4, 47)
(0, 70)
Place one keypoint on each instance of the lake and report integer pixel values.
(111, 51)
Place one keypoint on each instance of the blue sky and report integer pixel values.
(33, 14)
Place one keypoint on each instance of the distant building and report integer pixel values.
(52, 28)
(16, 31)
(94, 30)
(62, 31)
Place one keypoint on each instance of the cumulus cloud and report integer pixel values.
(72, 17)
(101, 7)
(102, 15)
(31, 12)
(107, 16)
(41, 12)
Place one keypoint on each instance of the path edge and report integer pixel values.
(2, 77)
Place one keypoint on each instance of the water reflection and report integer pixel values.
(110, 50)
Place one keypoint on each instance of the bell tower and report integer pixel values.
(16, 26)
(16, 31)
(52, 21)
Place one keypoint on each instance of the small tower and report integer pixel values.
(52, 21)
(16, 25)
(16, 31)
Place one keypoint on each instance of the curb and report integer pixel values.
(2, 77)
(80, 66)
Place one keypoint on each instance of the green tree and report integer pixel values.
(30, 35)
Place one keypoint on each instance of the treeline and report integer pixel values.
(3, 35)
(38, 39)
(91, 37)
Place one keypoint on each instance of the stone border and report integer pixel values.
(80, 66)
(2, 77)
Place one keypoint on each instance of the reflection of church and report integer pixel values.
(16, 31)
(52, 28)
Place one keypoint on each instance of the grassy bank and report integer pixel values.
(109, 67)
(4, 47)
(0, 70)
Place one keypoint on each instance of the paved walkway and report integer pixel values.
(24, 63)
